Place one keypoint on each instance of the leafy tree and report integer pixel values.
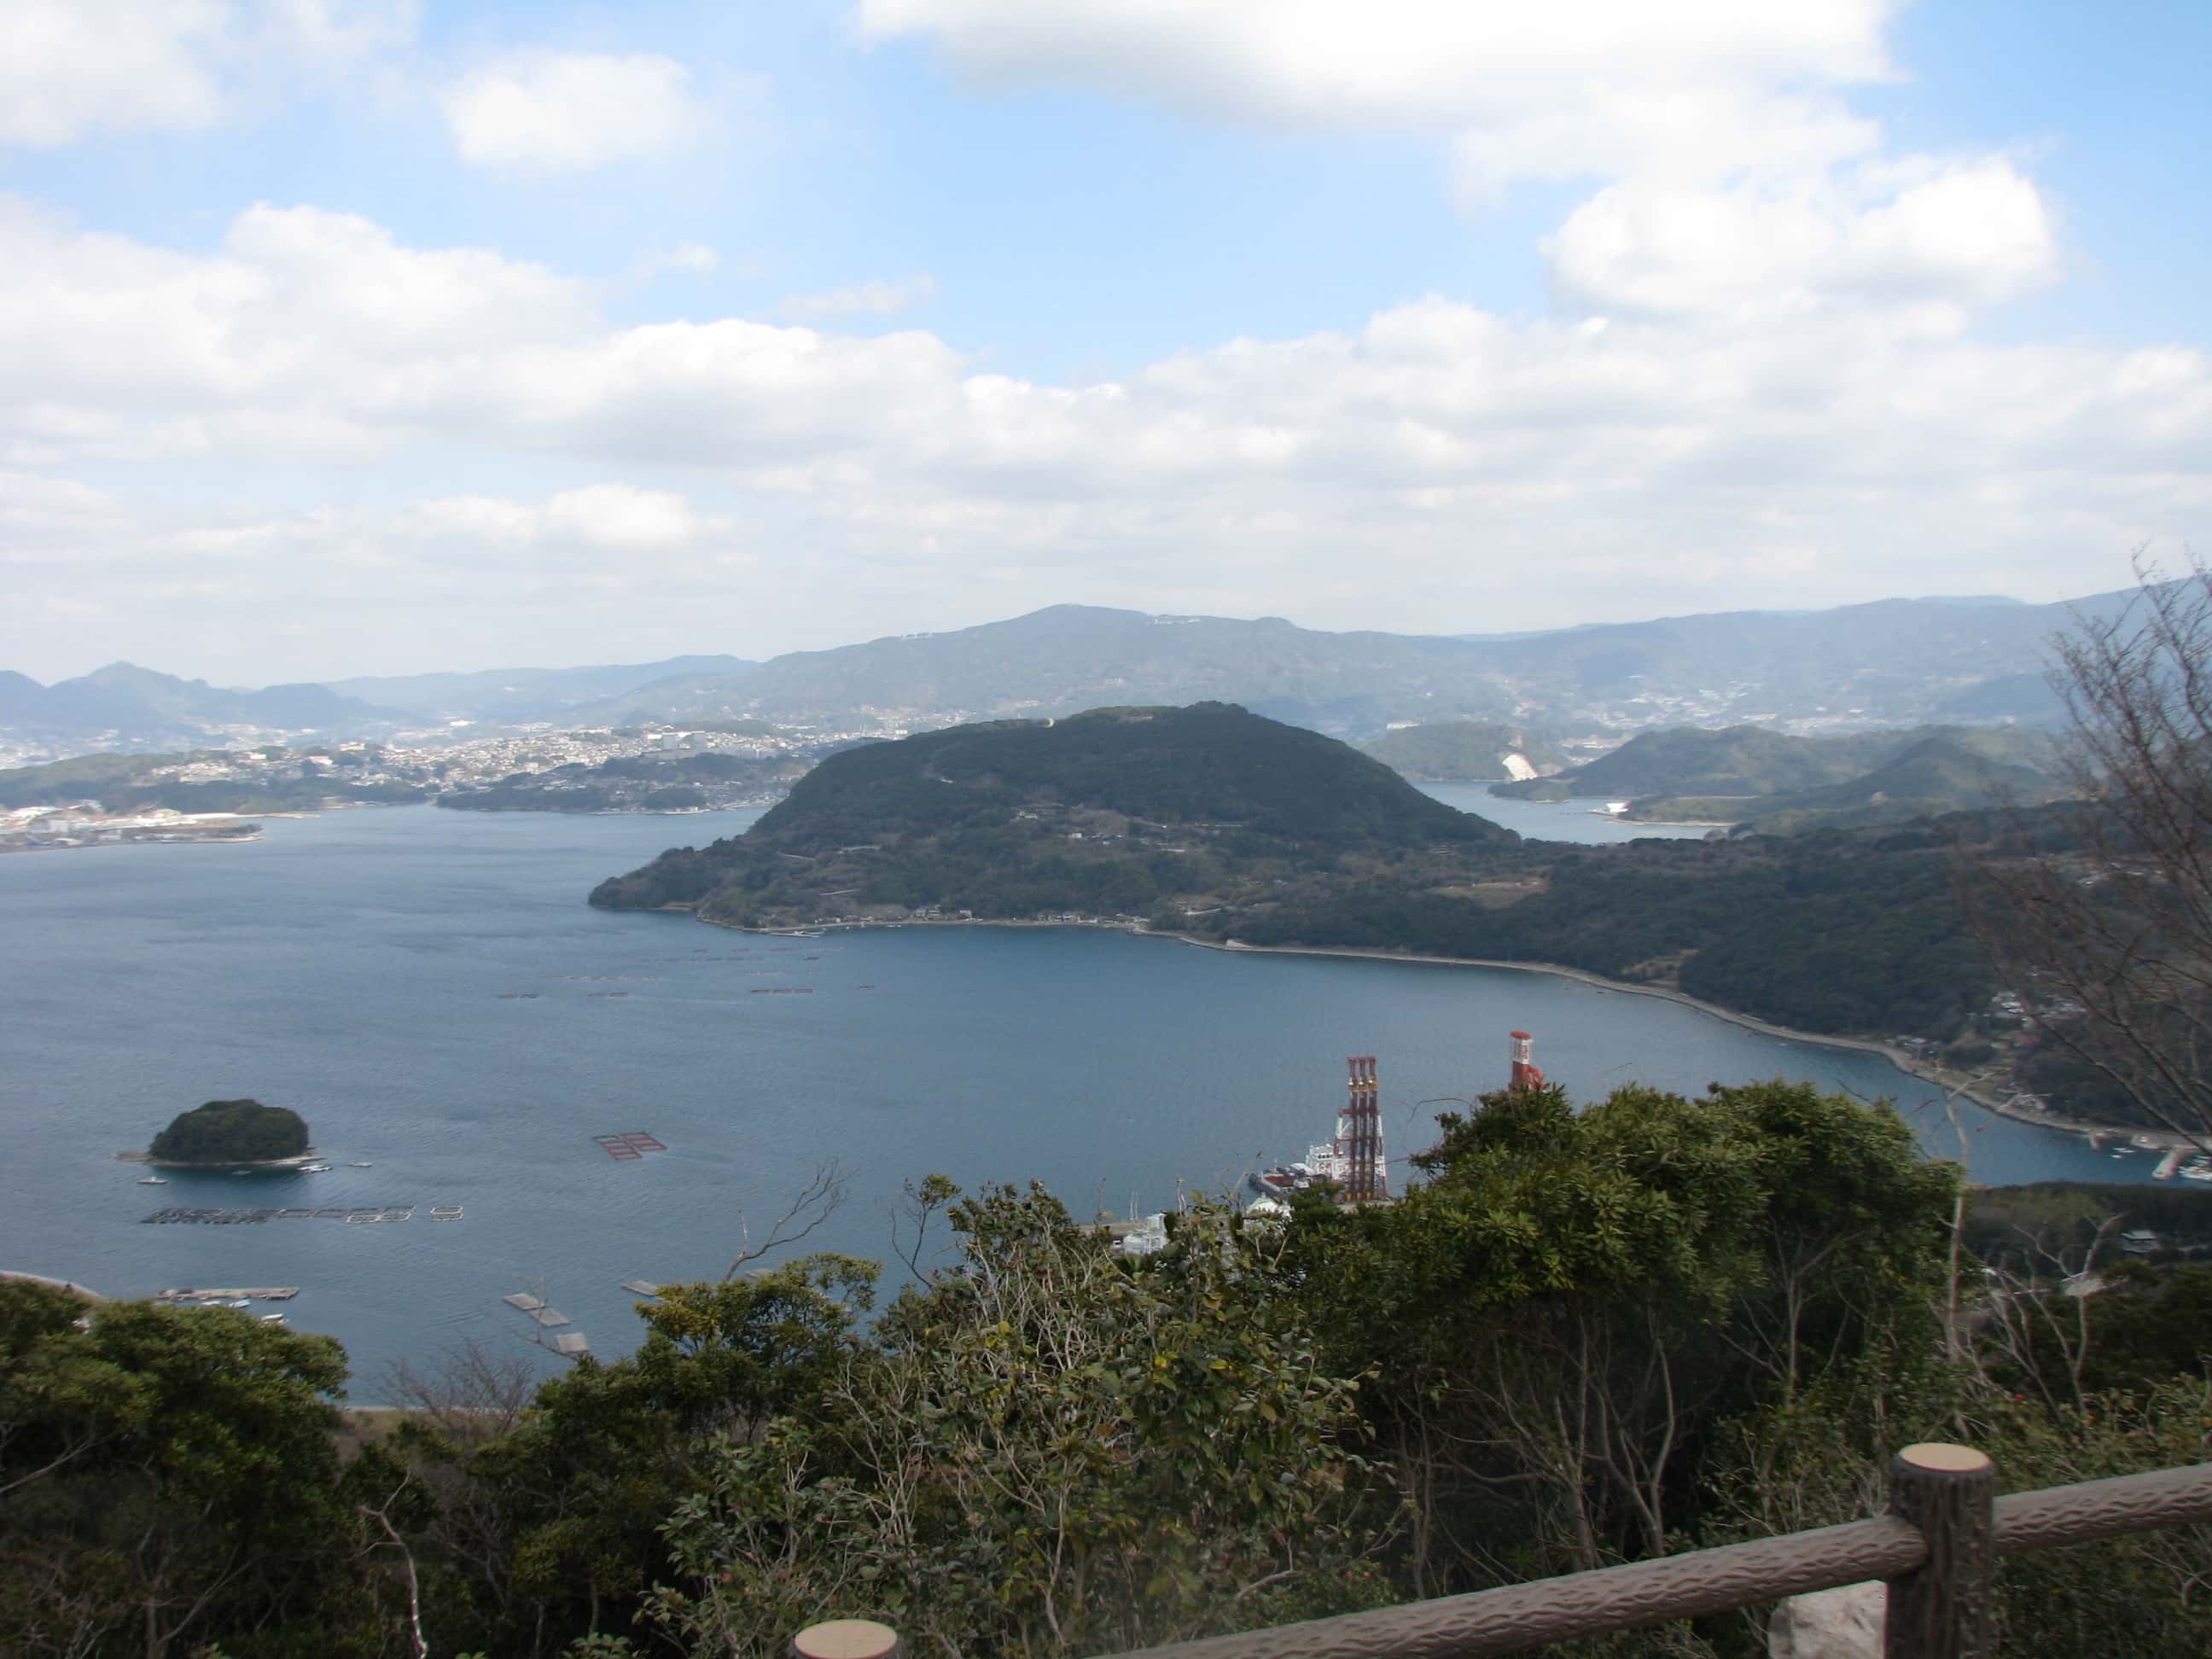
(553, 1529)
(168, 1479)
(1055, 1450)
(1566, 1318)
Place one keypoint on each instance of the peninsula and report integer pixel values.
(1214, 824)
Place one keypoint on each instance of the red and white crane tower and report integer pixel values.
(1525, 1072)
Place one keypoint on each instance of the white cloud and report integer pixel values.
(1604, 86)
(560, 111)
(69, 69)
(870, 298)
(1765, 416)
(1924, 246)
(617, 517)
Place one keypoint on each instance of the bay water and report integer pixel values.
(430, 991)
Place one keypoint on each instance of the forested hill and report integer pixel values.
(1463, 752)
(1213, 823)
(1211, 763)
(1752, 760)
(1116, 812)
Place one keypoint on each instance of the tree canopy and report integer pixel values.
(1579, 1337)
(231, 1132)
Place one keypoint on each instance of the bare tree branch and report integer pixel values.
(2100, 917)
(822, 1197)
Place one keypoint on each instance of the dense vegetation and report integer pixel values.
(1462, 752)
(1779, 784)
(1754, 760)
(1932, 777)
(1827, 932)
(1214, 822)
(1210, 763)
(1585, 1337)
(231, 1132)
(1118, 811)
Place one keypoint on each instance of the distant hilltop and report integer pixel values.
(1216, 824)
(1130, 811)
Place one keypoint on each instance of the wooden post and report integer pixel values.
(848, 1639)
(1941, 1610)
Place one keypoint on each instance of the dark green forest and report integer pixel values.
(1214, 822)
(1579, 1338)
(231, 1132)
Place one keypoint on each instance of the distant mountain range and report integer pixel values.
(1893, 663)
(521, 695)
(1896, 662)
(124, 706)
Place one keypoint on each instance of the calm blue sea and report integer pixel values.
(430, 990)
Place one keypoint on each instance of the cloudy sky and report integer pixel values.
(360, 335)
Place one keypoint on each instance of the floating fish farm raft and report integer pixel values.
(357, 1215)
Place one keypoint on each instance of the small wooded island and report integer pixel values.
(231, 1132)
(1214, 824)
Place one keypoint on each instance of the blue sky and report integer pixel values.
(359, 335)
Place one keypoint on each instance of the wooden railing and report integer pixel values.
(1935, 1549)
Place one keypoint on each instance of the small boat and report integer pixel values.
(241, 1172)
(357, 1165)
(272, 1318)
(314, 1169)
(153, 1181)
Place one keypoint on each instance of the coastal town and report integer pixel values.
(36, 829)
(217, 794)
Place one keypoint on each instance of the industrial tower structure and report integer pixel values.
(1363, 1171)
(1525, 1073)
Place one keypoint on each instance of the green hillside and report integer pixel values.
(1936, 775)
(1461, 752)
(1738, 760)
(1213, 823)
(1113, 812)
(1686, 774)
(270, 780)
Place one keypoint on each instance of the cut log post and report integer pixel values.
(848, 1639)
(1940, 1610)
